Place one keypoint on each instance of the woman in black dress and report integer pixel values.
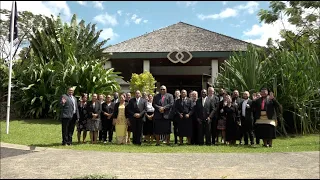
(232, 119)
(83, 116)
(148, 124)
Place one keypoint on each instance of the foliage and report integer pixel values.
(144, 82)
(291, 67)
(292, 75)
(305, 15)
(26, 20)
(56, 61)
(245, 71)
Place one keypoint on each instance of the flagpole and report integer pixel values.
(10, 63)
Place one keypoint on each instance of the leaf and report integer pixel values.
(33, 100)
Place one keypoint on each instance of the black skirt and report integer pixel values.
(265, 131)
(162, 126)
(185, 127)
(148, 125)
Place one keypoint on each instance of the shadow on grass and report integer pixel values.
(35, 121)
(41, 121)
(45, 145)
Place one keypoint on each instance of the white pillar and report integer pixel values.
(214, 70)
(108, 65)
(146, 65)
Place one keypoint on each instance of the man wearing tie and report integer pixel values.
(137, 107)
(69, 115)
(246, 114)
(115, 98)
(214, 121)
(174, 117)
(204, 110)
(183, 108)
(162, 104)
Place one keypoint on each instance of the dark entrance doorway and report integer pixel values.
(187, 82)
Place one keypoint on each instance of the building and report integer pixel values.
(180, 56)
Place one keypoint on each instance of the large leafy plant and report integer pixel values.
(62, 55)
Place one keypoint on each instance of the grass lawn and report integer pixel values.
(47, 133)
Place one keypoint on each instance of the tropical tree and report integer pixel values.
(60, 56)
(144, 82)
(26, 20)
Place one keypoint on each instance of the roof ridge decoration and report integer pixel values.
(182, 56)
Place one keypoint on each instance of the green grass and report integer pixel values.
(47, 133)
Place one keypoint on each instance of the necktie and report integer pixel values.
(262, 104)
(162, 99)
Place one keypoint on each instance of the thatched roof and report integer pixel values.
(180, 36)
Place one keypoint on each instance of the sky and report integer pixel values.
(122, 20)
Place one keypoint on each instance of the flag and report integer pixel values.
(15, 29)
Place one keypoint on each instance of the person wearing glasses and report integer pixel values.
(162, 104)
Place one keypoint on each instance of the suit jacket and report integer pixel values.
(216, 101)
(237, 100)
(140, 108)
(68, 107)
(248, 112)
(95, 110)
(106, 109)
(203, 112)
(173, 113)
(167, 104)
(116, 110)
(113, 100)
(183, 107)
(272, 108)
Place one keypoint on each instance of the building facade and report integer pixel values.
(180, 56)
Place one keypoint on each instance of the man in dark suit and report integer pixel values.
(174, 117)
(204, 110)
(183, 108)
(214, 122)
(115, 98)
(106, 119)
(194, 138)
(246, 117)
(137, 108)
(162, 104)
(101, 98)
(235, 97)
(69, 115)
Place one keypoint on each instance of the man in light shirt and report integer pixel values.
(246, 117)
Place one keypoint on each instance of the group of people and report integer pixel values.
(200, 120)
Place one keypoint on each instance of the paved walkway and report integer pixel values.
(58, 163)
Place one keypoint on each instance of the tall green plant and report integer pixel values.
(144, 82)
(62, 55)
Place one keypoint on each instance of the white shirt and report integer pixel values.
(204, 100)
(244, 106)
(138, 99)
(150, 108)
(74, 104)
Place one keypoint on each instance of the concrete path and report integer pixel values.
(58, 163)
